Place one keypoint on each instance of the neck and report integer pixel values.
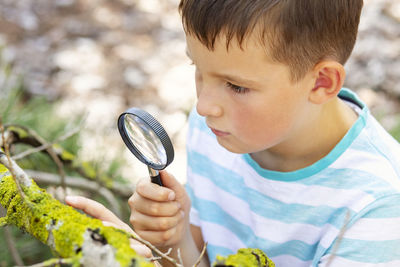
(310, 143)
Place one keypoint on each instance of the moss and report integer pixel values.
(3, 169)
(245, 257)
(114, 238)
(90, 172)
(58, 225)
(22, 133)
(64, 154)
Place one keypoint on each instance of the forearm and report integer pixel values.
(189, 252)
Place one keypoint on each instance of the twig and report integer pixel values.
(11, 246)
(10, 241)
(203, 251)
(10, 166)
(180, 257)
(339, 239)
(52, 262)
(120, 189)
(49, 147)
(46, 145)
(156, 250)
(80, 183)
(155, 258)
(169, 251)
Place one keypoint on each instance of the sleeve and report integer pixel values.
(371, 240)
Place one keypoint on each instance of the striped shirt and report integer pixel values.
(343, 210)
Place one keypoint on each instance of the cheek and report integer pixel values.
(198, 81)
(262, 125)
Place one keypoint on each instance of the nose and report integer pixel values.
(208, 104)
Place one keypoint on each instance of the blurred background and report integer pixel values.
(70, 62)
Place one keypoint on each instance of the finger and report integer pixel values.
(153, 208)
(170, 181)
(135, 245)
(159, 238)
(140, 249)
(149, 223)
(154, 192)
(124, 227)
(93, 208)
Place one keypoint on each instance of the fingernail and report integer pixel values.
(106, 223)
(182, 214)
(71, 199)
(171, 196)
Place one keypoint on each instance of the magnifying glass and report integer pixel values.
(147, 140)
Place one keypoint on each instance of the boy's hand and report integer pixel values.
(98, 211)
(160, 215)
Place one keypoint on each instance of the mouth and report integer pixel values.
(219, 133)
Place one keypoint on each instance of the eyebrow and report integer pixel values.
(234, 79)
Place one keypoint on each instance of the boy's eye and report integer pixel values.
(237, 89)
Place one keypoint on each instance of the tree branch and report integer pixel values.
(80, 183)
(5, 159)
(52, 262)
(203, 251)
(45, 146)
(69, 233)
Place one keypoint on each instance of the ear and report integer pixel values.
(329, 78)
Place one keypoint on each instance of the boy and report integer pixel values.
(279, 156)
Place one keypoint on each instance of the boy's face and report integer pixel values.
(249, 102)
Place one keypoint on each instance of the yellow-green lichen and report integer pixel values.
(90, 172)
(64, 154)
(3, 169)
(21, 132)
(40, 214)
(245, 257)
(120, 239)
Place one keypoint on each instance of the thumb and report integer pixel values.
(170, 182)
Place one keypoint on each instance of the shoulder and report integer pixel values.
(372, 154)
(370, 238)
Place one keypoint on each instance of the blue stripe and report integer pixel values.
(197, 122)
(211, 212)
(387, 207)
(351, 179)
(368, 251)
(213, 251)
(264, 205)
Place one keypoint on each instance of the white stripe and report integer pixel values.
(289, 261)
(342, 262)
(329, 235)
(194, 217)
(371, 229)
(369, 163)
(312, 195)
(218, 235)
(309, 234)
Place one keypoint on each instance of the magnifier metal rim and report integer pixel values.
(158, 130)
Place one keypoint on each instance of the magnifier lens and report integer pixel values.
(145, 140)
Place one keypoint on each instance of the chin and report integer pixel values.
(232, 148)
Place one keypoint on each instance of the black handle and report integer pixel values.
(156, 179)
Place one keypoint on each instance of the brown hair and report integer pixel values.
(299, 33)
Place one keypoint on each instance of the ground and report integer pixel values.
(101, 57)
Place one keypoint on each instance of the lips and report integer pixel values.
(219, 133)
